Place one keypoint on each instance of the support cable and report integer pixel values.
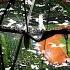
(45, 35)
(1, 20)
(25, 16)
(5, 11)
(1, 59)
(16, 53)
(66, 38)
(20, 42)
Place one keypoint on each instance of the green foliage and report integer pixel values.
(6, 49)
(10, 41)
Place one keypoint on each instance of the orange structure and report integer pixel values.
(52, 49)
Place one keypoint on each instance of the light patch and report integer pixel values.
(67, 59)
(46, 62)
(37, 44)
(19, 25)
(67, 21)
(43, 51)
(61, 45)
(14, 38)
(37, 19)
(1, 13)
(65, 24)
(67, 0)
(55, 45)
(39, 53)
(11, 8)
(33, 51)
(63, 64)
(35, 36)
(2, 9)
(53, 21)
(7, 68)
(43, 58)
(47, 69)
(52, 44)
(36, 48)
(55, 7)
(38, 5)
(34, 67)
(22, 9)
(3, 48)
(23, 48)
(11, 21)
(22, 65)
(15, 13)
(41, 25)
(29, 2)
